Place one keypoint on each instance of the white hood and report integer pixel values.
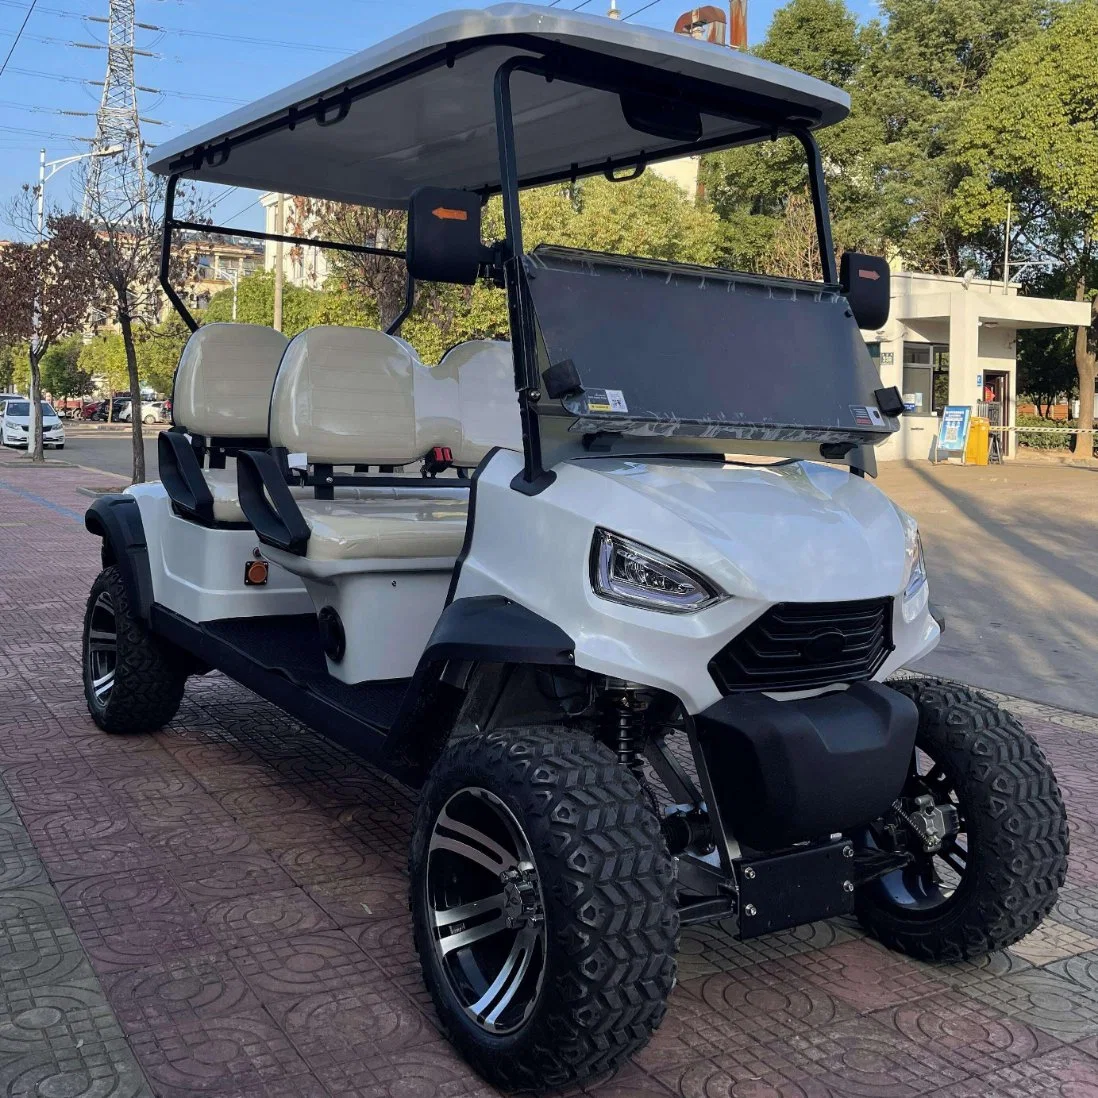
(798, 532)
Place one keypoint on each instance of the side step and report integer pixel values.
(281, 659)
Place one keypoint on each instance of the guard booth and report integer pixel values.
(954, 341)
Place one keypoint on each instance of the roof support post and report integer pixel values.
(819, 204)
(166, 256)
(519, 309)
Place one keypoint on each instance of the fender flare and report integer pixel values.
(493, 629)
(483, 629)
(116, 519)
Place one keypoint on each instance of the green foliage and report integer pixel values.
(158, 350)
(1046, 364)
(62, 376)
(104, 357)
(1044, 440)
(1032, 133)
(301, 307)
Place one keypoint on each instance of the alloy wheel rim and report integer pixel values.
(486, 910)
(102, 648)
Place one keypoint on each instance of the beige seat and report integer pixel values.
(385, 529)
(346, 396)
(224, 381)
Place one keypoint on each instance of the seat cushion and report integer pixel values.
(386, 529)
(226, 495)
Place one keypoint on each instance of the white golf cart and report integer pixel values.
(640, 683)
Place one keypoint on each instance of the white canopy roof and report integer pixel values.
(430, 124)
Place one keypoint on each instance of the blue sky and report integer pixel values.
(212, 55)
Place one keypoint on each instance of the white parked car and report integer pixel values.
(152, 411)
(15, 424)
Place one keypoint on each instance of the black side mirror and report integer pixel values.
(865, 281)
(444, 236)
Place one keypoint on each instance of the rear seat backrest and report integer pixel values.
(485, 403)
(345, 396)
(224, 381)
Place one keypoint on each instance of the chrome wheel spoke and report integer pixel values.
(503, 988)
(448, 943)
(102, 685)
(450, 915)
(491, 948)
(102, 637)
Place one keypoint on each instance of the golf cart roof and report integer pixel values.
(418, 110)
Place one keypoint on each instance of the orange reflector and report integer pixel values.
(444, 214)
(866, 273)
(256, 573)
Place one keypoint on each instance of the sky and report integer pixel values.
(210, 57)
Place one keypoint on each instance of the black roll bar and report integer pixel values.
(171, 224)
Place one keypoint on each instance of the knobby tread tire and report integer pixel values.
(609, 889)
(1017, 830)
(149, 675)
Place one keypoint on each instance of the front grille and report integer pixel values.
(800, 645)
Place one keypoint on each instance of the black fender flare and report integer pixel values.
(116, 519)
(477, 630)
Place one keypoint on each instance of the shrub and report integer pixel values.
(1045, 440)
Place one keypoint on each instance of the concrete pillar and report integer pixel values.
(964, 350)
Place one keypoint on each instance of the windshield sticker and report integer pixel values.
(605, 400)
(597, 400)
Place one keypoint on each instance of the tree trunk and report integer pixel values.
(135, 397)
(37, 453)
(1086, 361)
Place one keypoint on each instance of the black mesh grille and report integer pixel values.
(798, 645)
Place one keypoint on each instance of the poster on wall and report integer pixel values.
(953, 430)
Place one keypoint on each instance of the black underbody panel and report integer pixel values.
(282, 659)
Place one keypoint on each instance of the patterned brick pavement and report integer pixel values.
(219, 910)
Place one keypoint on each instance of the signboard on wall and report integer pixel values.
(888, 358)
(953, 429)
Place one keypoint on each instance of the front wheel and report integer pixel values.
(984, 823)
(543, 904)
(133, 681)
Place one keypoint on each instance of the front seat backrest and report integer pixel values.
(345, 396)
(487, 405)
(224, 381)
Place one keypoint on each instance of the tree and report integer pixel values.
(1031, 138)
(158, 351)
(128, 224)
(61, 374)
(760, 191)
(47, 290)
(104, 356)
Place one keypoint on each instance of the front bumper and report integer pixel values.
(784, 772)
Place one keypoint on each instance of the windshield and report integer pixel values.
(22, 408)
(663, 349)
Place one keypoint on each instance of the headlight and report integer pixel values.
(627, 572)
(916, 590)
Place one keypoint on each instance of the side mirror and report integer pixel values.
(444, 236)
(865, 281)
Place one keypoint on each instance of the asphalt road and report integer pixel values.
(1012, 553)
(108, 449)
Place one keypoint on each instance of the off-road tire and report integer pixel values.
(1017, 830)
(149, 674)
(610, 907)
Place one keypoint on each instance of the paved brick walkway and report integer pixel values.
(220, 909)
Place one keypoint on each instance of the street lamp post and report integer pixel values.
(229, 275)
(47, 169)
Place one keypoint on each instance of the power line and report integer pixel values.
(18, 35)
(652, 4)
(152, 91)
(188, 33)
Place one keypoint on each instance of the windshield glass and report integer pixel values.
(664, 349)
(22, 408)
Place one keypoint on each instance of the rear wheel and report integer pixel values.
(982, 816)
(133, 681)
(543, 903)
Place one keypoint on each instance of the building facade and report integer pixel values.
(955, 341)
